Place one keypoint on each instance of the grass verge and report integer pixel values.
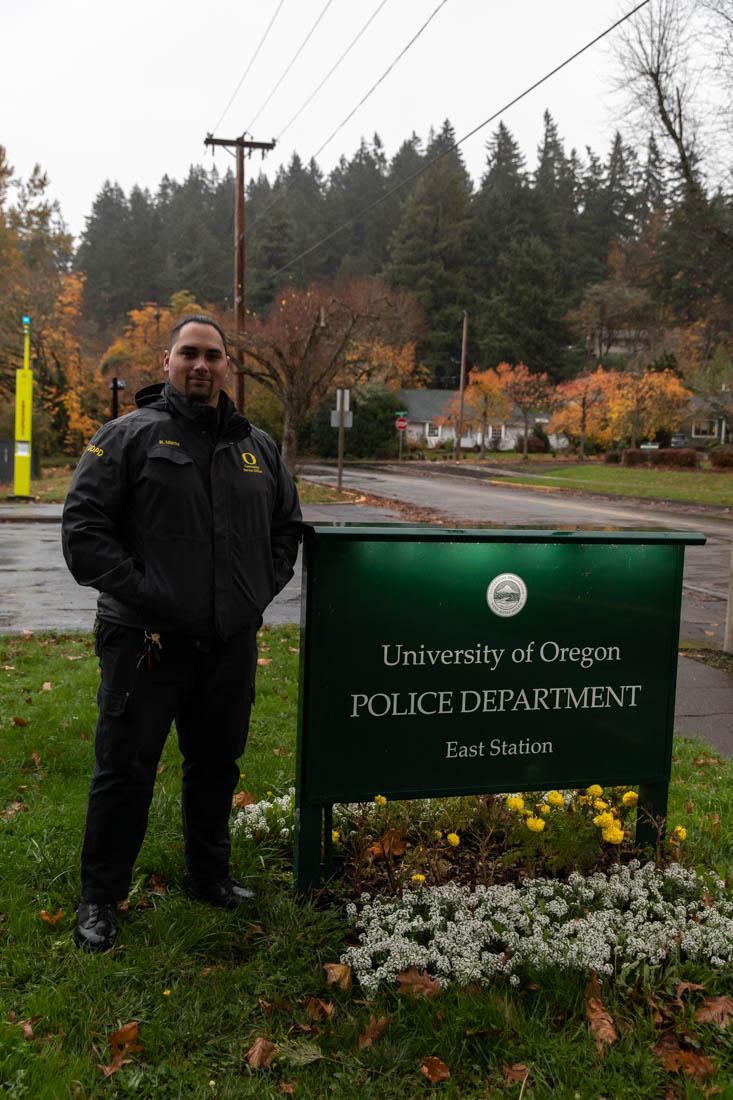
(203, 985)
(689, 486)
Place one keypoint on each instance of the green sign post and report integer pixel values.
(438, 662)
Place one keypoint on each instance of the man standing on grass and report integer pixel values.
(184, 518)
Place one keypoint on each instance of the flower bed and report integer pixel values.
(603, 922)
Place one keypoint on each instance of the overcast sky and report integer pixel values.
(127, 92)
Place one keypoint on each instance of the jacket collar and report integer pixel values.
(161, 395)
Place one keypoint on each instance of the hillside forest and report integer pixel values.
(586, 270)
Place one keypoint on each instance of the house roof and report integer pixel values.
(426, 405)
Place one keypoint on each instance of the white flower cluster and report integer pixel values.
(628, 915)
(270, 819)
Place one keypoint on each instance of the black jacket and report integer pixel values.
(183, 517)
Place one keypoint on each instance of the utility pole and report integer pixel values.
(239, 145)
(462, 385)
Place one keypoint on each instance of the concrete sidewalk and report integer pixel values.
(704, 705)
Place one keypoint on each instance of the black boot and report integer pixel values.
(95, 926)
(225, 893)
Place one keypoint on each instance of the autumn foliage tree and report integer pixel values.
(644, 402)
(485, 402)
(582, 408)
(315, 337)
(527, 391)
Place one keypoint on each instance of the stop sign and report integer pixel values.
(400, 423)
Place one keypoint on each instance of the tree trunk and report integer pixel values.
(290, 440)
(583, 428)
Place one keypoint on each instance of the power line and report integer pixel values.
(292, 61)
(252, 60)
(414, 38)
(457, 144)
(386, 73)
(332, 70)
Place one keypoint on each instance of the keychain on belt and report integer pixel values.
(151, 649)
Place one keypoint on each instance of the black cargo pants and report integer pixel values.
(208, 688)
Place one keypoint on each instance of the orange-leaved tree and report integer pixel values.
(582, 408)
(528, 392)
(644, 402)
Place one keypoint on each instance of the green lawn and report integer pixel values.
(203, 985)
(691, 486)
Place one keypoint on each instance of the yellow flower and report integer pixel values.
(166, 992)
(418, 879)
(680, 832)
(241, 775)
(536, 824)
(515, 802)
(545, 809)
(555, 798)
(453, 839)
(335, 836)
(583, 800)
(380, 800)
(600, 805)
(269, 794)
(438, 834)
(595, 791)
(604, 820)
(630, 798)
(613, 835)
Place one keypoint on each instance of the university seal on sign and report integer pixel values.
(506, 595)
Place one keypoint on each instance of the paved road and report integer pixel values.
(473, 501)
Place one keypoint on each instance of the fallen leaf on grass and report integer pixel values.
(434, 1070)
(26, 1026)
(17, 721)
(27, 633)
(316, 1009)
(161, 769)
(715, 1010)
(338, 974)
(157, 885)
(600, 1021)
(260, 1053)
(8, 668)
(264, 661)
(705, 761)
(418, 982)
(48, 919)
(389, 844)
(685, 987)
(375, 1030)
(75, 657)
(287, 1087)
(293, 649)
(715, 826)
(47, 686)
(279, 752)
(123, 1041)
(242, 799)
(35, 757)
(13, 809)
(517, 1072)
(674, 1058)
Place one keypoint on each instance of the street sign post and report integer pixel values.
(343, 419)
(401, 426)
(23, 418)
(438, 662)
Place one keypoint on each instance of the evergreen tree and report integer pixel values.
(523, 321)
(431, 254)
(103, 256)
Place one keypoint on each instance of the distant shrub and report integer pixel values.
(722, 459)
(612, 456)
(634, 456)
(535, 446)
(685, 457)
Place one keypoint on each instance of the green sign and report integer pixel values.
(455, 662)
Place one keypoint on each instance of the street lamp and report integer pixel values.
(116, 385)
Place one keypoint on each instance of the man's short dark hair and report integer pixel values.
(199, 319)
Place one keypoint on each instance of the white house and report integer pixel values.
(427, 411)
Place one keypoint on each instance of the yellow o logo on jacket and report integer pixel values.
(249, 458)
